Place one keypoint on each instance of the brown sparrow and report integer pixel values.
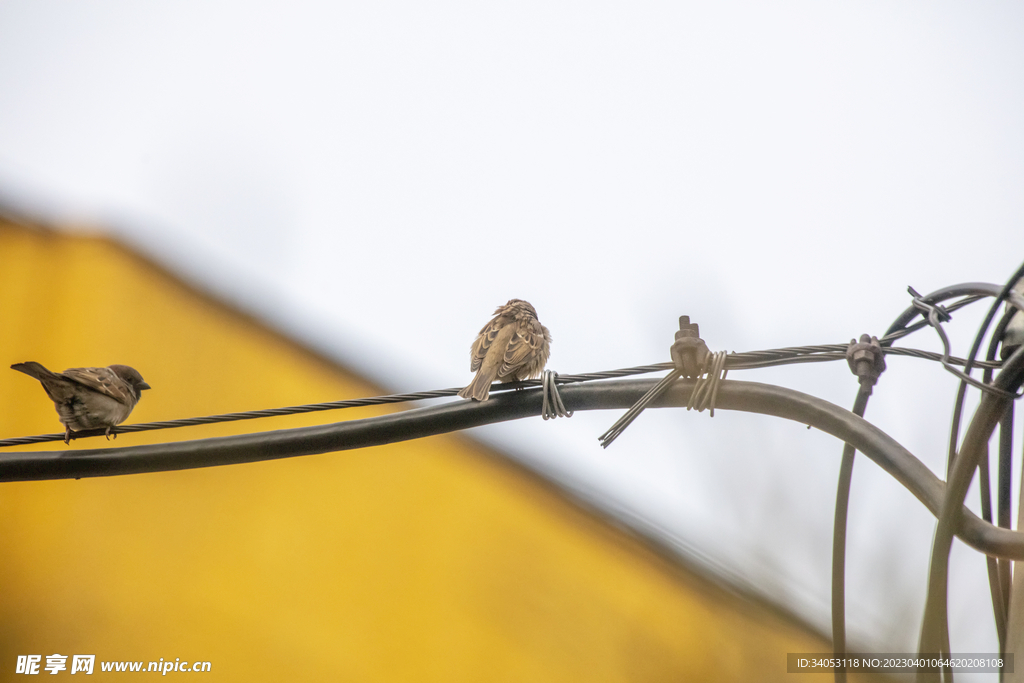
(511, 347)
(89, 398)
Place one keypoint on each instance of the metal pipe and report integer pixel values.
(934, 630)
(839, 542)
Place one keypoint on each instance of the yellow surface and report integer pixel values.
(423, 561)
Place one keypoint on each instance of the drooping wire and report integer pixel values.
(936, 315)
(900, 328)
(935, 626)
(998, 570)
(839, 542)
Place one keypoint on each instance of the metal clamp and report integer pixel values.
(689, 352)
(692, 359)
(866, 360)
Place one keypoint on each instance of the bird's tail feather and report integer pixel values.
(33, 369)
(480, 388)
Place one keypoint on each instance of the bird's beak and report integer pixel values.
(143, 386)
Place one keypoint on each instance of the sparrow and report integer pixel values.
(89, 398)
(513, 346)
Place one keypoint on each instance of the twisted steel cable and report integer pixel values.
(734, 361)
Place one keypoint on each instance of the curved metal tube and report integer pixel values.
(860, 404)
(751, 397)
(934, 631)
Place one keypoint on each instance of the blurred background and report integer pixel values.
(371, 181)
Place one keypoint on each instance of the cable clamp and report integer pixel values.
(866, 360)
(689, 352)
(692, 359)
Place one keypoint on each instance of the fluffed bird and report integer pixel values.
(89, 398)
(513, 346)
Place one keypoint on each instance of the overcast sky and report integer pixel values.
(378, 177)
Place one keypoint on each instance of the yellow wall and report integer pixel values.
(424, 561)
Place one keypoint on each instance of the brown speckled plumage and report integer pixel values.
(513, 346)
(89, 398)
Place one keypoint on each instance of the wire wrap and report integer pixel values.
(553, 406)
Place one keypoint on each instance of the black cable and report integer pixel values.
(751, 397)
(1005, 496)
(999, 571)
(900, 328)
(972, 291)
(935, 627)
(1000, 599)
(839, 542)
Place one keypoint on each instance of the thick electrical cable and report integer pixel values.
(839, 542)
(752, 397)
(935, 626)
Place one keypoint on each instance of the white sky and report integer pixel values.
(377, 177)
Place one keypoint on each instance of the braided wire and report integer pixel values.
(733, 361)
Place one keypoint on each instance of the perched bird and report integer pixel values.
(511, 347)
(89, 398)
